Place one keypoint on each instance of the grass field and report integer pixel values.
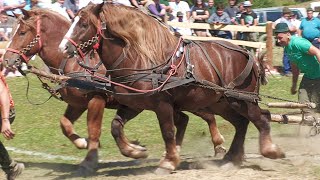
(37, 126)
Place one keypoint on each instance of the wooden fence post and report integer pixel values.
(269, 43)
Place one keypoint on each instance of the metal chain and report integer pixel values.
(245, 92)
(89, 42)
(30, 45)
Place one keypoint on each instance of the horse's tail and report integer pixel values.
(262, 67)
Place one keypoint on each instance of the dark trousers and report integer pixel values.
(316, 43)
(286, 63)
(5, 160)
(309, 91)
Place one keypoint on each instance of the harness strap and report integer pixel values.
(76, 45)
(119, 60)
(25, 58)
(62, 66)
(210, 61)
(245, 73)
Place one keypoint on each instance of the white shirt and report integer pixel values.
(57, 7)
(44, 4)
(182, 6)
(11, 3)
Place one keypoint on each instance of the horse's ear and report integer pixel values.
(16, 15)
(97, 9)
(25, 13)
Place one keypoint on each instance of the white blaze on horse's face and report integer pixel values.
(70, 31)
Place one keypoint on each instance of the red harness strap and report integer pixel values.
(23, 55)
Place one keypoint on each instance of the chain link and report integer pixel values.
(89, 42)
(30, 45)
(254, 94)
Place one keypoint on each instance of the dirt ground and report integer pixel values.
(302, 162)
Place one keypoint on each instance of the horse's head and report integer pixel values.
(84, 33)
(25, 42)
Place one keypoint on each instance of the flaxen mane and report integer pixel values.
(143, 35)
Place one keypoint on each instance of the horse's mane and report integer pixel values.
(42, 12)
(146, 39)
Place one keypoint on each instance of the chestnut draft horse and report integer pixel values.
(33, 36)
(214, 77)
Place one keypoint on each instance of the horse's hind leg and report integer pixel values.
(236, 151)
(128, 149)
(180, 121)
(96, 107)
(216, 138)
(66, 123)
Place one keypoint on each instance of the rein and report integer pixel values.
(37, 39)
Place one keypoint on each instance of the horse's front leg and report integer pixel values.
(171, 160)
(94, 121)
(128, 149)
(66, 123)
(261, 119)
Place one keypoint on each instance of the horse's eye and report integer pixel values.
(21, 33)
(85, 25)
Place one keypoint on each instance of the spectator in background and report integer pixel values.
(182, 6)
(59, 8)
(239, 35)
(10, 6)
(310, 28)
(181, 31)
(28, 5)
(72, 8)
(211, 8)
(249, 18)
(3, 36)
(44, 3)
(286, 13)
(220, 18)
(200, 14)
(154, 7)
(296, 23)
(232, 10)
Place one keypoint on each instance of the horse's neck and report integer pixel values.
(50, 53)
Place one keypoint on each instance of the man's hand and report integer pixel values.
(294, 89)
(6, 129)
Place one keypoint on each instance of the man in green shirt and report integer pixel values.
(306, 58)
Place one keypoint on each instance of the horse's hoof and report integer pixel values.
(162, 171)
(81, 143)
(139, 154)
(219, 151)
(274, 152)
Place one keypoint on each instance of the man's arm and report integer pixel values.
(315, 52)
(5, 109)
(295, 76)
